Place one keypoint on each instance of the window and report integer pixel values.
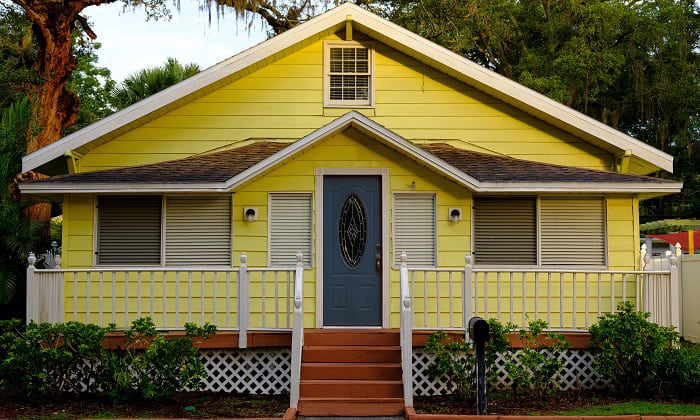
(198, 231)
(290, 229)
(141, 230)
(414, 229)
(128, 230)
(348, 74)
(571, 231)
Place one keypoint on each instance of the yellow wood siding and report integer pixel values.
(284, 100)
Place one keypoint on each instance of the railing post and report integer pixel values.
(243, 302)
(32, 290)
(467, 294)
(406, 333)
(297, 332)
(675, 303)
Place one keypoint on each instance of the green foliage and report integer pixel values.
(455, 359)
(629, 349)
(49, 359)
(678, 374)
(536, 366)
(146, 82)
(18, 236)
(151, 366)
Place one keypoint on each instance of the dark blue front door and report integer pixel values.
(352, 266)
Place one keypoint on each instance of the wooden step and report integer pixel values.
(352, 337)
(366, 371)
(350, 407)
(343, 388)
(352, 354)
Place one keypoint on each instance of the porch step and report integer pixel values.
(351, 388)
(367, 371)
(351, 354)
(351, 373)
(337, 407)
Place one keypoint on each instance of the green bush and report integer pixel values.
(48, 359)
(455, 361)
(536, 366)
(678, 374)
(151, 366)
(630, 351)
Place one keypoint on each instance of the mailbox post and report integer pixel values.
(479, 334)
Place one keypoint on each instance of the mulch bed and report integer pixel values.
(514, 404)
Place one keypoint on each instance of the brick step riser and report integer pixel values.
(328, 355)
(352, 339)
(350, 389)
(348, 408)
(377, 371)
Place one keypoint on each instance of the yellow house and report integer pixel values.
(321, 156)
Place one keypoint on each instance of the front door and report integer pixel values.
(352, 250)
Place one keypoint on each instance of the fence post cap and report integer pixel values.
(31, 259)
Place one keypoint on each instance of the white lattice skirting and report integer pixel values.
(267, 371)
(254, 371)
(577, 373)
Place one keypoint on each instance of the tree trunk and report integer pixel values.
(53, 107)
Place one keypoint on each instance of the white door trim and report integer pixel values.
(386, 263)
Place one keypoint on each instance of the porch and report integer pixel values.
(244, 301)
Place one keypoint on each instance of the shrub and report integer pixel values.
(536, 366)
(455, 360)
(151, 366)
(48, 359)
(678, 374)
(629, 350)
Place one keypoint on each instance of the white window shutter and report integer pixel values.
(291, 228)
(415, 229)
(198, 231)
(128, 231)
(573, 231)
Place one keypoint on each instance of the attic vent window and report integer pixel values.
(348, 74)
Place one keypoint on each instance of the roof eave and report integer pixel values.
(582, 187)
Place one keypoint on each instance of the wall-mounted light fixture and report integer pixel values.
(455, 214)
(250, 214)
(412, 185)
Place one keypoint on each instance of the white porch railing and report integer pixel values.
(446, 298)
(170, 296)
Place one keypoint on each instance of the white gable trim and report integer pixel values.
(428, 52)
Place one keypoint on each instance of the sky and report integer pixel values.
(130, 43)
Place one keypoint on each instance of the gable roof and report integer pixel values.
(224, 171)
(645, 158)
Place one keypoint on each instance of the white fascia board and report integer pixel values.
(580, 187)
(508, 90)
(42, 188)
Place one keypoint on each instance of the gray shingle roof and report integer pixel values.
(221, 166)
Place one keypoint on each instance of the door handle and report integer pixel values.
(378, 258)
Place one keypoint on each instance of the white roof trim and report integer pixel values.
(357, 120)
(383, 30)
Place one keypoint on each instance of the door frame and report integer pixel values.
(383, 173)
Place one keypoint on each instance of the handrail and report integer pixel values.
(297, 332)
(406, 334)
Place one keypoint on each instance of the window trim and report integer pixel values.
(396, 264)
(327, 102)
(538, 232)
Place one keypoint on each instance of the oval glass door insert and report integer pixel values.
(352, 232)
